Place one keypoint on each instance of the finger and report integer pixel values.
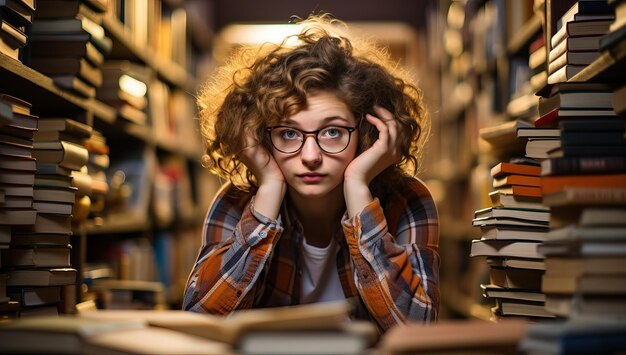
(383, 131)
(383, 113)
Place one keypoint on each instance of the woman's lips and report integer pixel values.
(311, 177)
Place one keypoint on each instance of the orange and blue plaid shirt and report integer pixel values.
(388, 262)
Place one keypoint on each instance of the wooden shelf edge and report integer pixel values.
(42, 81)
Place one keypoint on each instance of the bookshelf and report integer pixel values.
(491, 63)
(188, 195)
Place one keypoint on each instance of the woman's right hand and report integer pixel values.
(271, 181)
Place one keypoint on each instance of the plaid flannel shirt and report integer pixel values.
(388, 262)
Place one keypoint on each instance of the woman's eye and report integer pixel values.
(331, 132)
(290, 134)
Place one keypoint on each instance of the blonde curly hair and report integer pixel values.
(258, 86)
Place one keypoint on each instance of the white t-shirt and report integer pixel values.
(320, 280)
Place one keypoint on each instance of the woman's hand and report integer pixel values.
(272, 185)
(365, 167)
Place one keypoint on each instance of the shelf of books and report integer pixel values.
(551, 172)
(97, 138)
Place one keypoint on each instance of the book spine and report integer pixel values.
(583, 165)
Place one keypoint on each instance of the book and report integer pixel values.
(514, 179)
(575, 100)
(574, 44)
(554, 117)
(57, 334)
(587, 151)
(581, 28)
(501, 212)
(17, 177)
(78, 26)
(586, 7)
(53, 194)
(572, 59)
(18, 217)
(550, 184)
(505, 248)
(592, 138)
(454, 336)
(579, 305)
(586, 195)
(41, 277)
(37, 256)
(521, 191)
(17, 105)
(12, 34)
(66, 154)
(49, 224)
(351, 338)
(512, 233)
(507, 222)
(583, 165)
(66, 125)
(564, 73)
(493, 291)
(586, 265)
(504, 168)
(35, 296)
(17, 10)
(539, 133)
(592, 125)
(582, 335)
(51, 207)
(585, 284)
(500, 199)
(505, 307)
(313, 317)
(539, 148)
(524, 279)
(619, 100)
(521, 263)
(17, 163)
(151, 340)
(58, 48)
(40, 239)
(69, 66)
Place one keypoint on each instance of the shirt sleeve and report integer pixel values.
(237, 243)
(397, 276)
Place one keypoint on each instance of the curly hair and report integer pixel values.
(258, 86)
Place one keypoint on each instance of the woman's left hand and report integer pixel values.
(382, 154)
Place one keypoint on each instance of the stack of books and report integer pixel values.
(15, 19)
(613, 40)
(125, 88)
(512, 229)
(68, 43)
(17, 174)
(577, 41)
(40, 255)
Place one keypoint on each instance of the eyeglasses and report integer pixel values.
(331, 139)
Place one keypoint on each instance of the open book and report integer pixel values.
(327, 316)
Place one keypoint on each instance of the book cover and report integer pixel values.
(41, 277)
(523, 279)
(581, 28)
(551, 184)
(586, 196)
(37, 256)
(493, 291)
(514, 179)
(504, 168)
(554, 117)
(575, 100)
(505, 248)
(512, 233)
(587, 151)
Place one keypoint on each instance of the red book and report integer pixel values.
(519, 169)
(551, 184)
(552, 118)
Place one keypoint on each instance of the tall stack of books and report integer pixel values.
(15, 19)
(125, 88)
(68, 43)
(577, 41)
(512, 229)
(42, 252)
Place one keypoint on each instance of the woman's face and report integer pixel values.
(312, 172)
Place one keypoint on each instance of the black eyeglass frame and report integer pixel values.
(314, 135)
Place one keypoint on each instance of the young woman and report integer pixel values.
(320, 141)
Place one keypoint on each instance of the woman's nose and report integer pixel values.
(311, 152)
